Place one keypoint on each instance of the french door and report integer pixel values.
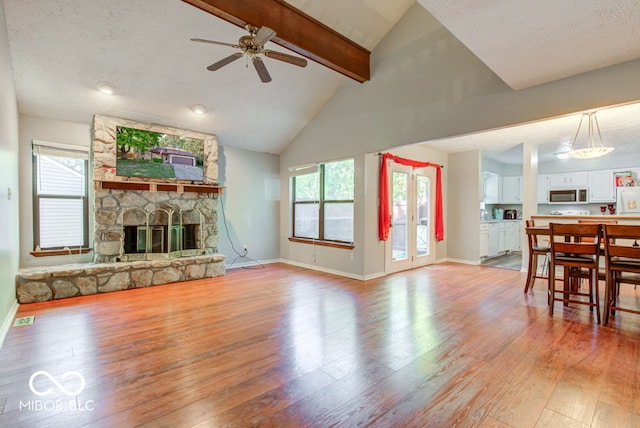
(411, 240)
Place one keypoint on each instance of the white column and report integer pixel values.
(529, 192)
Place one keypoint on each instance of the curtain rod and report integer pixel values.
(380, 154)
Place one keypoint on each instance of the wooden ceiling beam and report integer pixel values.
(296, 31)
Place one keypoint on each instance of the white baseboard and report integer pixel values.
(6, 325)
(466, 262)
(326, 270)
(252, 264)
(374, 276)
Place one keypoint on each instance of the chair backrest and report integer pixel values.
(621, 246)
(602, 222)
(576, 239)
(533, 239)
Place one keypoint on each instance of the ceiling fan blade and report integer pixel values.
(295, 60)
(214, 42)
(261, 69)
(263, 36)
(225, 61)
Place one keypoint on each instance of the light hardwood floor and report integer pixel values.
(441, 346)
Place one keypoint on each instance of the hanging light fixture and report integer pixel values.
(593, 149)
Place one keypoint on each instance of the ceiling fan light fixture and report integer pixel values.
(594, 147)
(106, 88)
(198, 109)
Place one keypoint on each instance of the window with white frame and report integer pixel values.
(323, 201)
(60, 200)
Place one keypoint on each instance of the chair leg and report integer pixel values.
(596, 292)
(607, 298)
(552, 287)
(533, 261)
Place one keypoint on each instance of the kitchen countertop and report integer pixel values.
(589, 217)
(498, 221)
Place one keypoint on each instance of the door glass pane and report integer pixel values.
(423, 201)
(399, 216)
(338, 221)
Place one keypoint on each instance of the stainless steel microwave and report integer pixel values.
(568, 196)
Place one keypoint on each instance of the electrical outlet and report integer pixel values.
(352, 256)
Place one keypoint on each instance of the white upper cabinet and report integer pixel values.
(568, 180)
(602, 186)
(491, 188)
(511, 190)
(543, 189)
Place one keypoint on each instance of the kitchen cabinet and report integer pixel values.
(499, 237)
(568, 180)
(543, 189)
(508, 237)
(601, 186)
(491, 188)
(511, 190)
(484, 240)
(494, 238)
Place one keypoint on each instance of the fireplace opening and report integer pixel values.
(181, 238)
(161, 233)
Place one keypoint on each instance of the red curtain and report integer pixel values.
(384, 217)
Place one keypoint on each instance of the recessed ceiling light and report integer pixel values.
(198, 109)
(106, 88)
(562, 155)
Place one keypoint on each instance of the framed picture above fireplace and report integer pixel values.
(125, 150)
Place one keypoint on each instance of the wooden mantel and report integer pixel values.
(158, 187)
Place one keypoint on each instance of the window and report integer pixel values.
(323, 202)
(60, 200)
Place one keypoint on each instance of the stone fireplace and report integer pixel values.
(146, 231)
(151, 218)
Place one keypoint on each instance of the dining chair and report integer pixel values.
(574, 247)
(536, 249)
(622, 262)
(602, 275)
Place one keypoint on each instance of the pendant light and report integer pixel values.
(593, 148)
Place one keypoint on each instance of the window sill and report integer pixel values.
(331, 244)
(71, 251)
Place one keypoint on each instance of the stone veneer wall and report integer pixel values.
(58, 282)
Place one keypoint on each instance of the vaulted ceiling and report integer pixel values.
(60, 50)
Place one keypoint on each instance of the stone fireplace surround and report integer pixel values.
(115, 195)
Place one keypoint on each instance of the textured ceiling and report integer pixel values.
(620, 128)
(61, 49)
(528, 43)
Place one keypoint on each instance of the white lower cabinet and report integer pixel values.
(499, 238)
(484, 240)
(493, 239)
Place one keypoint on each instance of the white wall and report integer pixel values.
(426, 85)
(251, 197)
(463, 202)
(57, 131)
(251, 200)
(9, 195)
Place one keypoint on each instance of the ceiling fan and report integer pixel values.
(252, 46)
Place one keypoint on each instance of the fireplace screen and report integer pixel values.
(161, 233)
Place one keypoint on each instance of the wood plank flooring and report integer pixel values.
(441, 346)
